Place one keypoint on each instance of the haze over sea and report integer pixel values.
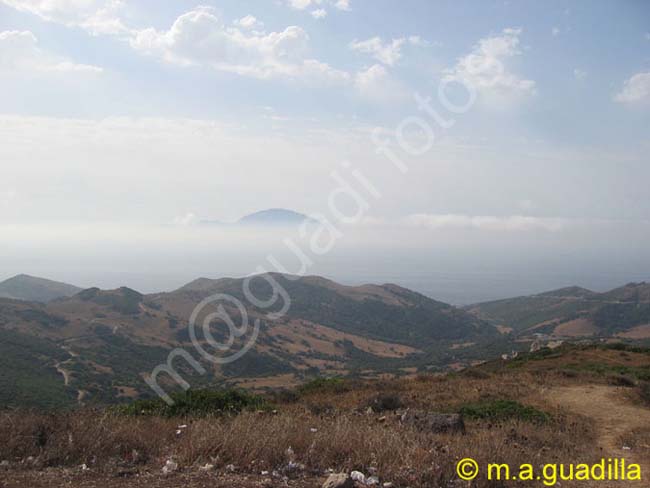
(455, 265)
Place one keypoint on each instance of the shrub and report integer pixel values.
(328, 385)
(384, 402)
(622, 380)
(569, 373)
(644, 390)
(499, 410)
(283, 396)
(477, 374)
(196, 403)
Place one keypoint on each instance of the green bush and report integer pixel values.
(329, 385)
(476, 374)
(384, 402)
(196, 403)
(498, 410)
(622, 380)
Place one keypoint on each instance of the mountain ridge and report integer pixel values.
(574, 312)
(32, 288)
(114, 337)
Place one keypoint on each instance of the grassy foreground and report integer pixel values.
(510, 413)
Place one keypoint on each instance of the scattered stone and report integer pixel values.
(313, 430)
(339, 480)
(290, 454)
(388, 484)
(207, 467)
(231, 468)
(358, 476)
(434, 422)
(84, 467)
(170, 467)
(372, 481)
(4, 464)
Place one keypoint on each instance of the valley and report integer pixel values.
(95, 346)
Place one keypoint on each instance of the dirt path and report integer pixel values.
(64, 372)
(59, 366)
(613, 414)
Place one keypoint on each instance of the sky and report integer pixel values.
(515, 131)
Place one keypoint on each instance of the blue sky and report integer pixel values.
(124, 123)
(563, 99)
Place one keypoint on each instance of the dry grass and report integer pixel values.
(344, 438)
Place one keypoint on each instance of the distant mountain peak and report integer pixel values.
(275, 216)
(568, 291)
(32, 288)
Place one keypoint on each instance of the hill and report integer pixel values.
(583, 403)
(30, 288)
(574, 312)
(106, 340)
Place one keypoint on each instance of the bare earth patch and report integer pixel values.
(639, 332)
(613, 415)
(576, 328)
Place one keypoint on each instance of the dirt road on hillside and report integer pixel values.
(613, 415)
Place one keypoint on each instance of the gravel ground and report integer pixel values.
(50, 478)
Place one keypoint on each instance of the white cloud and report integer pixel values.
(301, 4)
(636, 90)
(370, 77)
(484, 68)
(579, 74)
(94, 16)
(19, 51)
(319, 13)
(486, 222)
(186, 220)
(304, 4)
(418, 41)
(343, 5)
(388, 53)
(376, 84)
(249, 22)
(200, 38)
(555, 31)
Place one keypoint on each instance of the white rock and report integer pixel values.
(338, 480)
(358, 476)
(372, 481)
(231, 468)
(207, 467)
(169, 467)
